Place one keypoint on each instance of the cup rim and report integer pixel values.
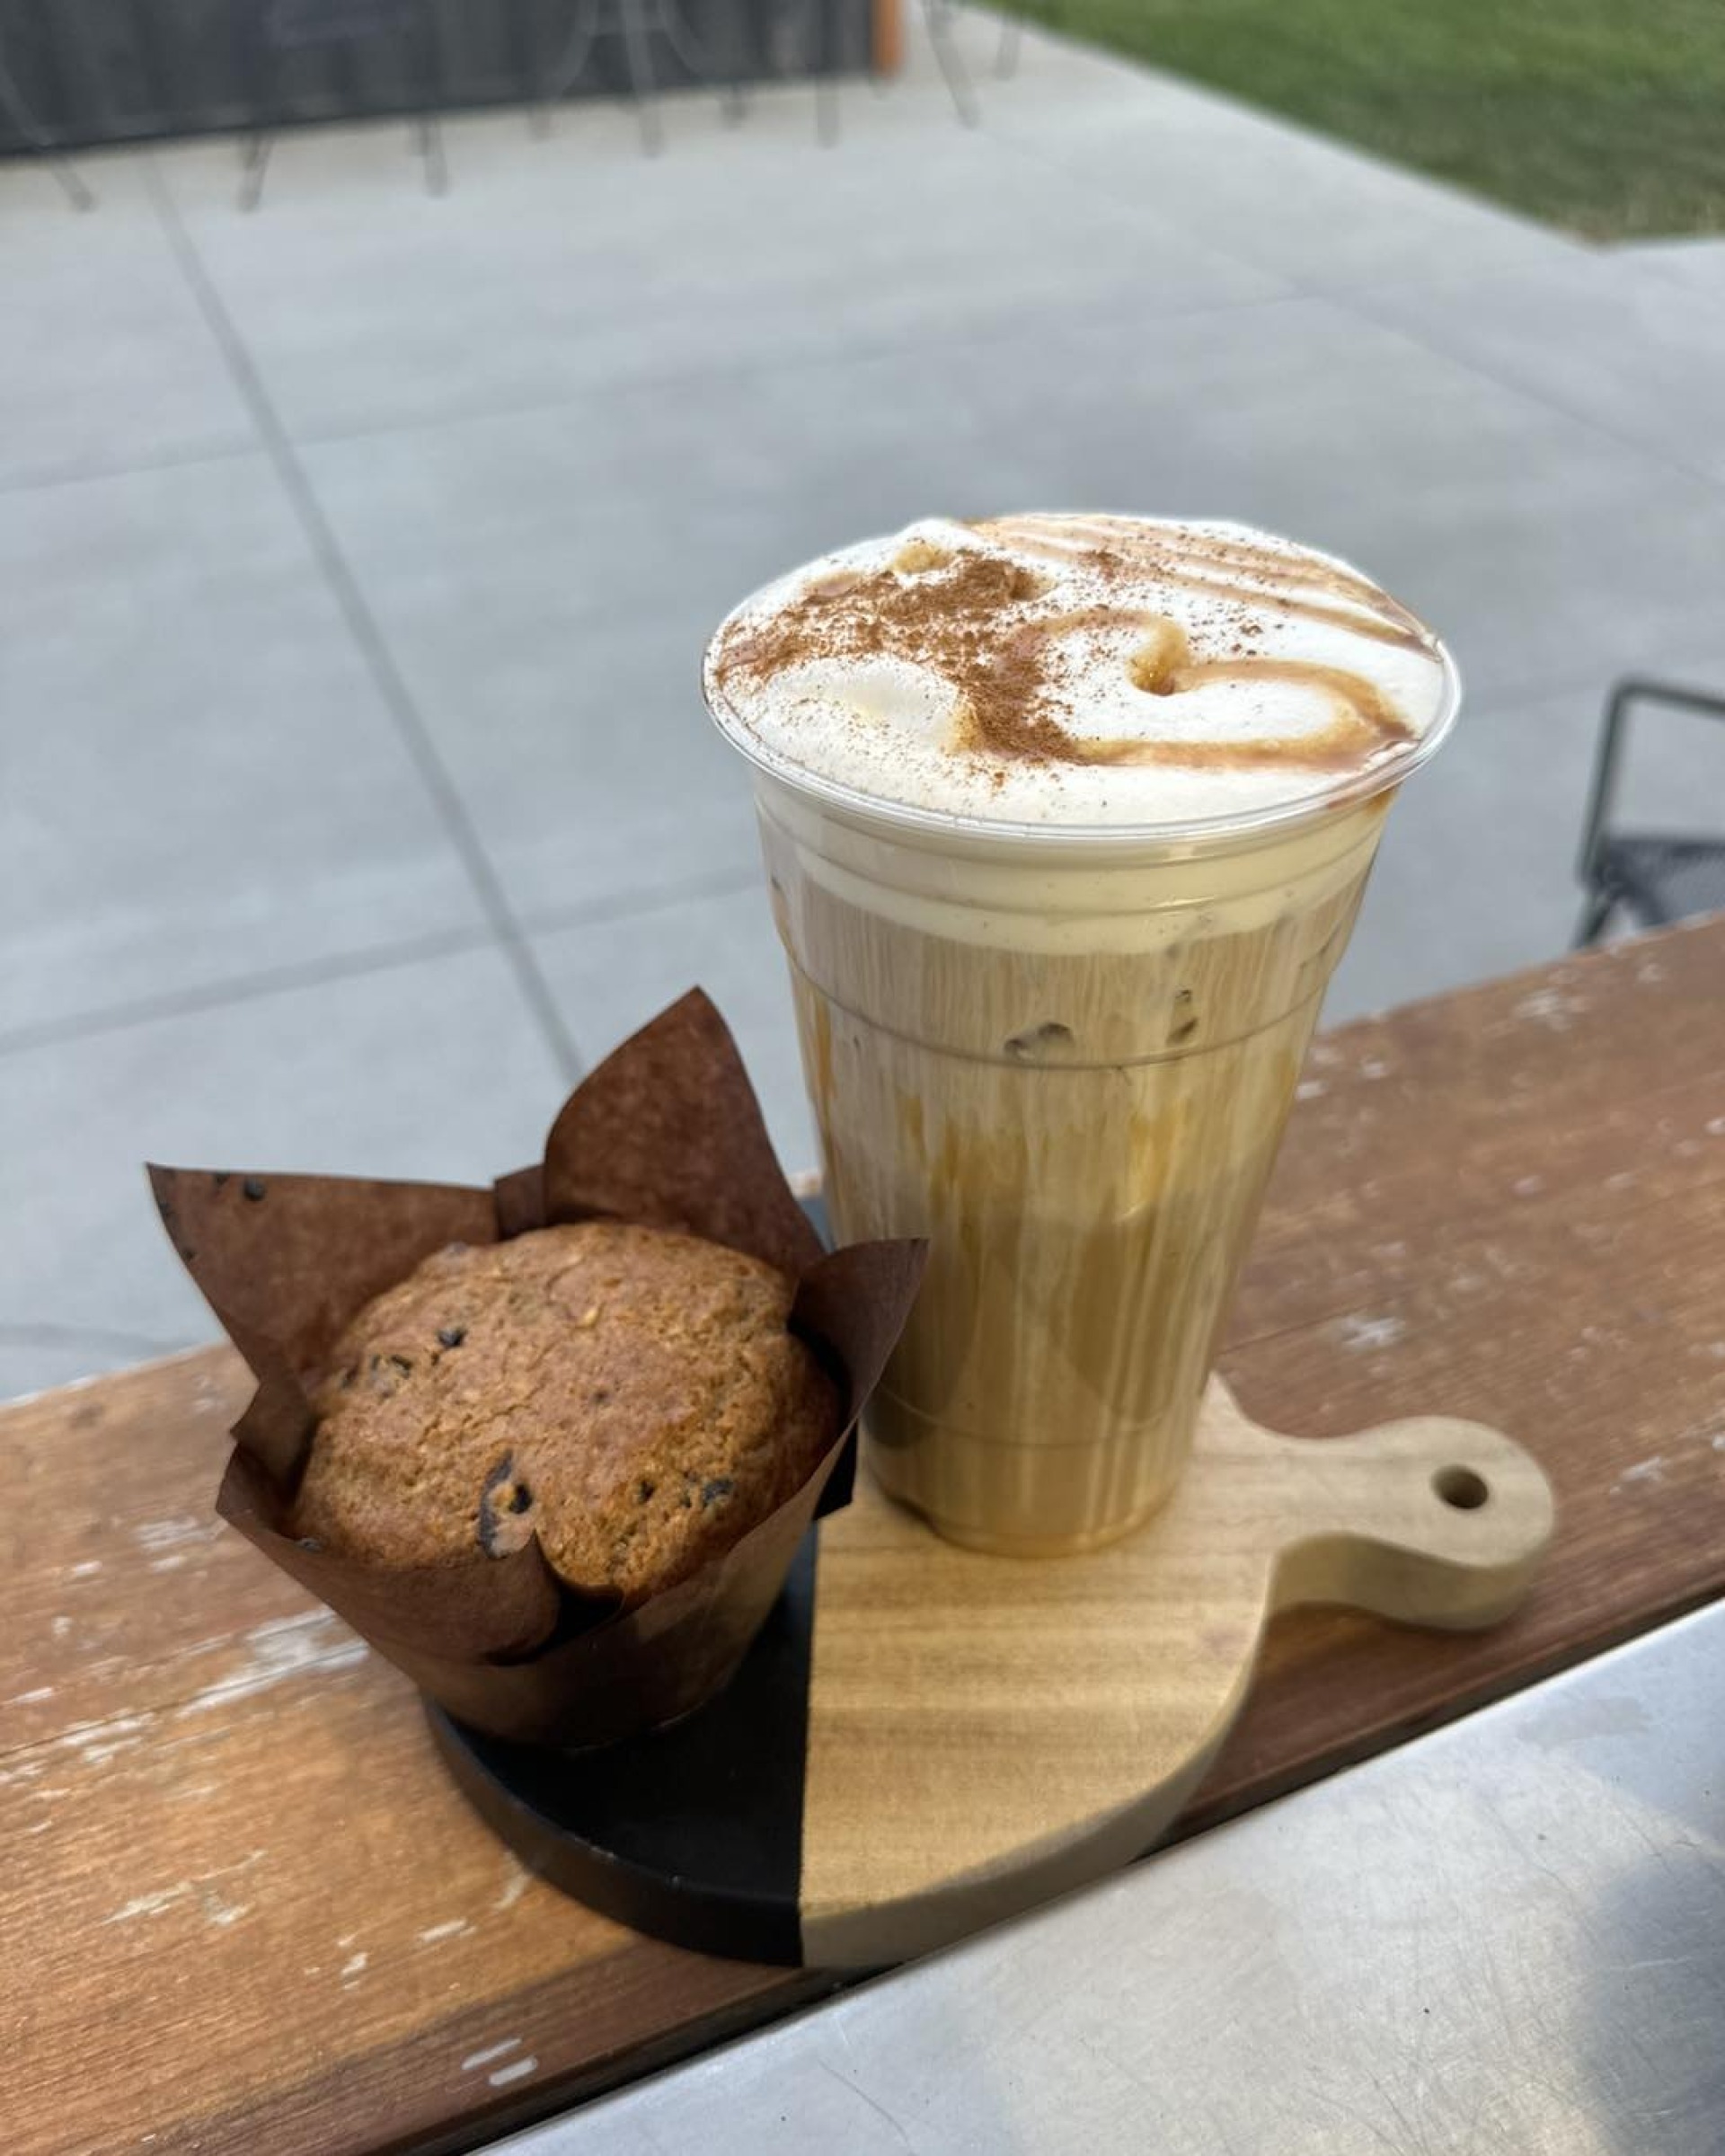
(1187, 835)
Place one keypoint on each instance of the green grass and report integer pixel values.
(1606, 116)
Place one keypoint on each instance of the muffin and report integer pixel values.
(632, 1396)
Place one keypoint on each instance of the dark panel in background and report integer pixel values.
(93, 71)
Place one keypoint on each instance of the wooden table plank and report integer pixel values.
(245, 1911)
(1507, 1204)
(225, 1829)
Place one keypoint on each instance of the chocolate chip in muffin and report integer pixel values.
(503, 1500)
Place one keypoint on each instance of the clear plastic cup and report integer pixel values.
(1066, 1055)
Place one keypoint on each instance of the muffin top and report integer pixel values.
(630, 1395)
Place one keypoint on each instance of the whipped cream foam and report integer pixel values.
(1082, 670)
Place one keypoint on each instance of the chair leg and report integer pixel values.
(670, 23)
(1597, 910)
(640, 77)
(429, 131)
(674, 27)
(254, 163)
(561, 78)
(826, 110)
(740, 55)
(427, 128)
(538, 117)
(1012, 36)
(733, 98)
(939, 17)
(263, 84)
(34, 132)
(814, 40)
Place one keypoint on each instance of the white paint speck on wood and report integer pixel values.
(173, 1534)
(516, 1880)
(455, 1925)
(284, 1648)
(476, 2059)
(1362, 1333)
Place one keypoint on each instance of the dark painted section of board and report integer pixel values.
(694, 1834)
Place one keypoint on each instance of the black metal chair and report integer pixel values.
(1659, 877)
(639, 23)
(284, 26)
(940, 18)
(636, 23)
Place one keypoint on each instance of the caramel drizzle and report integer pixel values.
(1114, 546)
(1364, 723)
(946, 612)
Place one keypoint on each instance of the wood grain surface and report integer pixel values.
(244, 1911)
(987, 1732)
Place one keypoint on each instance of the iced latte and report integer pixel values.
(1067, 820)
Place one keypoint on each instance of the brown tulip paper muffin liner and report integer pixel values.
(667, 1133)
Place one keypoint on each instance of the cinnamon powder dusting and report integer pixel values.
(967, 617)
(940, 611)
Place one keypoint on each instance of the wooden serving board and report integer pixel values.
(927, 1740)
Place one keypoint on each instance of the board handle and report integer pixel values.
(1432, 1521)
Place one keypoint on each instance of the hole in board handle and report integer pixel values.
(1462, 1488)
